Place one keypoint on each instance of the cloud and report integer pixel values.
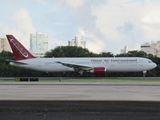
(109, 25)
(126, 28)
(75, 3)
(41, 1)
(123, 22)
(23, 21)
(23, 26)
(106, 25)
(84, 22)
(77, 15)
(53, 9)
(81, 32)
(59, 24)
(152, 18)
(94, 44)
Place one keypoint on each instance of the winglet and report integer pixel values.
(19, 51)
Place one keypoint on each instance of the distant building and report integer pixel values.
(77, 42)
(126, 49)
(38, 44)
(151, 48)
(4, 45)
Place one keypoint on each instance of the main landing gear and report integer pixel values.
(81, 73)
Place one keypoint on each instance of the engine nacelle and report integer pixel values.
(99, 70)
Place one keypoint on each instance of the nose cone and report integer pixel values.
(154, 65)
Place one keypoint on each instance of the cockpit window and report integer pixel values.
(149, 61)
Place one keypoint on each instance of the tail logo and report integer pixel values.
(18, 47)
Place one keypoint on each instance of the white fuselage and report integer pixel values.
(111, 64)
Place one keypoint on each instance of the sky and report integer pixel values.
(106, 25)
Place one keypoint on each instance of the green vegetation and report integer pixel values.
(7, 70)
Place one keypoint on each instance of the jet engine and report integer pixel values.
(98, 70)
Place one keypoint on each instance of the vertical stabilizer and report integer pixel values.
(19, 51)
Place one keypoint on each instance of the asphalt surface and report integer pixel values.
(79, 110)
(79, 101)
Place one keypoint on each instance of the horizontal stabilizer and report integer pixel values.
(16, 62)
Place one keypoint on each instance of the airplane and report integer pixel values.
(95, 65)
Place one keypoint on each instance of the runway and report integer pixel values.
(80, 91)
(79, 110)
(77, 101)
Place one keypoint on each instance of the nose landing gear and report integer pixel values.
(144, 73)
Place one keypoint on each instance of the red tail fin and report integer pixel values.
(19, 51)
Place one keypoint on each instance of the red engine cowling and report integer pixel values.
(99, 70)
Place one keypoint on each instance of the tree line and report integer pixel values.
(7, 70)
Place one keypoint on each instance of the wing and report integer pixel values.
(16, 62)
(76, 66)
